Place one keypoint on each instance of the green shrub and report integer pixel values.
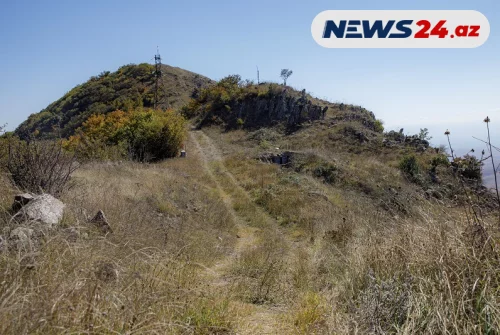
(440, 160)
(264, 144)
(378, 126)
(143, 134)
(410, 167)
(326, 171)
(153, 135)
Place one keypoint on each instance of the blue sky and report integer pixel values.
(48, 47)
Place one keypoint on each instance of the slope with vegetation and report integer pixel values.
(141, 134)
(357, 230)
(237, 104)
(130, 87)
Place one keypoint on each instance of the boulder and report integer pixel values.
(42, 208)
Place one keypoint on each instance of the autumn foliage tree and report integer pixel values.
(141, 134)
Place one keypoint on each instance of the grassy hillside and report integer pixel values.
(131, 86)
(358, 231)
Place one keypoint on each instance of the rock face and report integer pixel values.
(42, 208)
(280, 107)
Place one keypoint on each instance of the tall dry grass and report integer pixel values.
(388, 260)
(368, 255)
(146, 277)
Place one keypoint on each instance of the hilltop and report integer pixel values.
(130, 87)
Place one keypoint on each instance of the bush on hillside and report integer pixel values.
(378, 126)
(438, 160)
(39, 166)
(469, 167)
(143, 135)
(410, 167)
(327, 171)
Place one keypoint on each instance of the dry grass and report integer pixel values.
(169, 226)
(383, 261)
(239, 246)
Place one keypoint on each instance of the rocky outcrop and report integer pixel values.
(393, 138)
(417, 142)
(277, 107)
(42, 208)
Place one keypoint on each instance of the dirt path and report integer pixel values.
(254, 319)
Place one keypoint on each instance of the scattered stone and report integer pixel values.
(42, 208)
(100, 221)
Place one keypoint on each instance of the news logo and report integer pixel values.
(400, 29)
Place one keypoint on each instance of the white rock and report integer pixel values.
(43, 208)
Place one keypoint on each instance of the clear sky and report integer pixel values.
(48, 47)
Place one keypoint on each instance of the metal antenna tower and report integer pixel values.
(157, 74)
